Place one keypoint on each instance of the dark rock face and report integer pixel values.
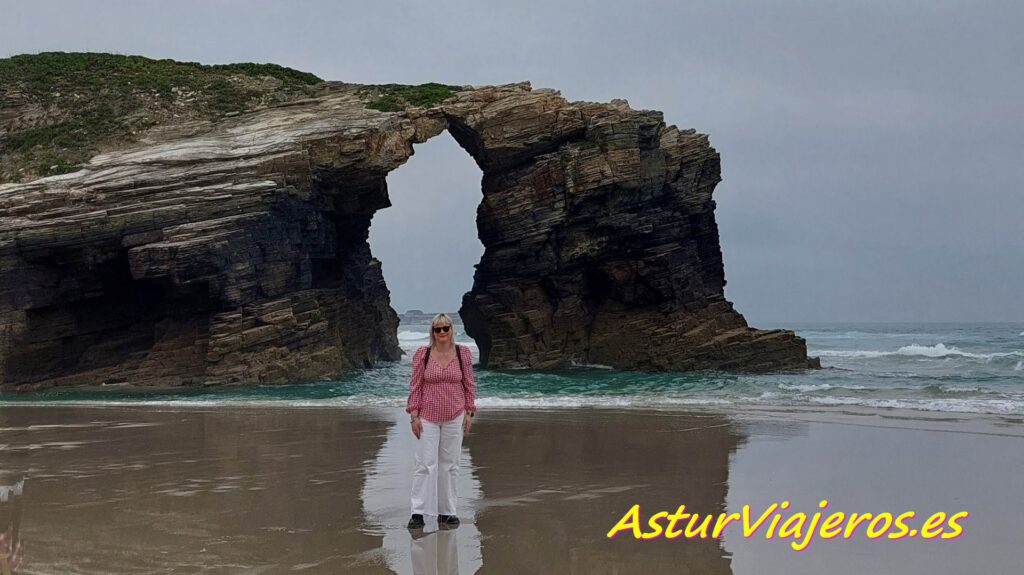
(237, 252)
(601, 244)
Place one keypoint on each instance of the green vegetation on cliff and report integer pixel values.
(58, 109)
(397, 97)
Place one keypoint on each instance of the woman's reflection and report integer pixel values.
(385, 498)
(11, 551)
(435, 553)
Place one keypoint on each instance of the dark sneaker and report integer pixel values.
(416, 521)
(449, 520)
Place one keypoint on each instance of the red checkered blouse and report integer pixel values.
(440, 393)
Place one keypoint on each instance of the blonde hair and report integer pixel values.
(441, 319)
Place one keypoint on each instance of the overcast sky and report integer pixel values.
(872, 152)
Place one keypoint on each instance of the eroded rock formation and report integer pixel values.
(237, 252)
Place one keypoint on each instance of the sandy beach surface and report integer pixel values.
(256, 489)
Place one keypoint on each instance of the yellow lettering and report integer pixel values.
(957, 529)
(679, 515)
(702, 530)
(928, 530)
(901, 527)
(631, 520)
(775, 521)
(793, 527)
(723, 520)
(748, 529)
(832, 523)
(855, 520)
(653, 522)
(873, 531)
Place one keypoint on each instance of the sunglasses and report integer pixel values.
(443, 328)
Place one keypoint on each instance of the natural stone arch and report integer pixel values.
(600, 240)
(237, 251)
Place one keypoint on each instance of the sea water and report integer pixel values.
(967, 368)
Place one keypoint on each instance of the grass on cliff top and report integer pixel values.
(58, 109)
(398, 97)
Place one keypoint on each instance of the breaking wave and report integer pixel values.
(937, 350)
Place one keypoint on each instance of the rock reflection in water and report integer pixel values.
(539, 490)
(555, 482)
(224, 490)
(267, 490)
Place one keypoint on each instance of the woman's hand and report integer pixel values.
(467, 422)
(417, 427)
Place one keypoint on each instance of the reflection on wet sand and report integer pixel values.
(269, 490)
(223, 490)
(435, 553)
(555, 482)
(386, 505)
(11, 549)
(260, 490)
(539, 490)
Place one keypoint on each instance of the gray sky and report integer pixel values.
(872, 152)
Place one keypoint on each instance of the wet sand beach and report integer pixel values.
(256, 489)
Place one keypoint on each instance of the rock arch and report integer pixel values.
(236, 251)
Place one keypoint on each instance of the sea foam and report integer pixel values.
(937, 350)
(982, 406)
(817, 387)
(994, 406)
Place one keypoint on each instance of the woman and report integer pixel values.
(442, 403)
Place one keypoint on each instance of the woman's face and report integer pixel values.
(443, 332)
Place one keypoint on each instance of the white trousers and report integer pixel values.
(437, 467)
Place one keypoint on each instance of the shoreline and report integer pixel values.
(835, 414)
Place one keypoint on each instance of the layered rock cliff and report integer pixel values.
(236, 250)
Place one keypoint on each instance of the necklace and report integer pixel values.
(444, 358)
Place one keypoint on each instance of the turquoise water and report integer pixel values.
(973, 368)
